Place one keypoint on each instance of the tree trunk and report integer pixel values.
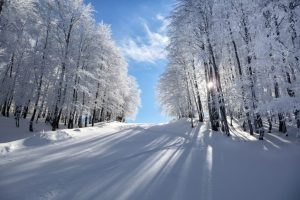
(102, 115)
(25, 110)
(41, 113)
(58, 105)
(36, 102)
(297, 118)
(260, 128)
(94, 116)
(209, 97)
(270, 124)
(85, 121)
(3, 111)
(200, 108)
(219, 89)
(39, 89)
(282, 123)
(1, 5)
(80, 121)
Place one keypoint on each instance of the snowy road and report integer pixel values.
(153, 162)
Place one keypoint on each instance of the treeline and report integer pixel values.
(235, 59)
(56, 62)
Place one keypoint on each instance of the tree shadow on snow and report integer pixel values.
(170, 161)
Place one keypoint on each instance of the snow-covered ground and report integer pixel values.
(147, 161)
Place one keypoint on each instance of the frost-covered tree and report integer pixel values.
(58, 63)
(246, 58)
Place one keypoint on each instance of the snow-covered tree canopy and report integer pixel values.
(241, 57)
(57, 62)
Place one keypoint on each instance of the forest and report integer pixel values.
(58, 63)
(234, 61)
(78, 116)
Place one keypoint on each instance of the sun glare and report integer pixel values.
(210, 84)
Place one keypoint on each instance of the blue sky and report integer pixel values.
(139, 28)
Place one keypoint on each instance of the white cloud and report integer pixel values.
(164, 21)
(150, 49)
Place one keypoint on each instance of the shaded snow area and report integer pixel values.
(12, 138)
(171, 161)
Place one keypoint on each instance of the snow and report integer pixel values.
(148, 161)
(12, 138)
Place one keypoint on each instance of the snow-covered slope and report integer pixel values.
(147, 161)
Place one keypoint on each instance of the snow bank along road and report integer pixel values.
(158, 162)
